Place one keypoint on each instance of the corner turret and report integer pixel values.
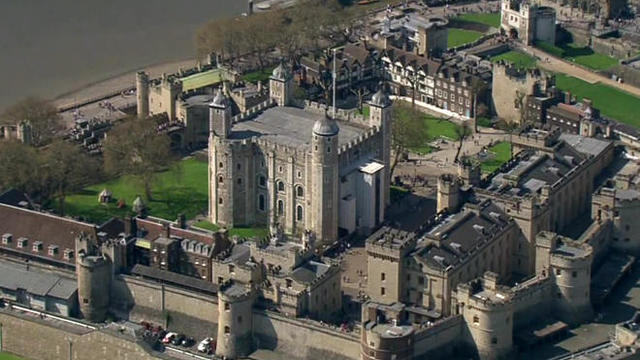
(220, 116)
(235, 321)
(281, 85)
(380, 115)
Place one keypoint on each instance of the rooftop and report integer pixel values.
(200, 80)
(16, 277)
(290, 126)
(309, 272)
(585, 145)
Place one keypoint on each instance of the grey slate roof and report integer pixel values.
(309, 272)
(16, 277)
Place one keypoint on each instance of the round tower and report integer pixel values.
(281, 85)
(235, 322)
(220, 116)
(220, 161)
(142, 93)
(488, 315)
(448, 193)
(324, 160)
(380, 115)
(570, 264)
(94, 286)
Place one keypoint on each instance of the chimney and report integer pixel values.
(567, 97)
(167, 230)
(181, 221)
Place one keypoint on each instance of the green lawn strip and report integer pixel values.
(611, 102)
(397, 192)
(365, 111)
(458, 37)
(200, 80)
(500, 154)
(582, 55)
(182, 189)
(492, 19)
(436, 128)
(240, 231)
(259, 75)
(518, 59)
(7, 356)
(484, 122)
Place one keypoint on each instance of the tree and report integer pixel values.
(66, 169)
(462, 132)
(136, 148)
(19, 165)
(42, 115)
(409, 130)
(359, 93)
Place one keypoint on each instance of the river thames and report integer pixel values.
(50, 47)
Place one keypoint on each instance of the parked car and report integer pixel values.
(177, 340)
(188, 341)
(206, 345)
(169, 337)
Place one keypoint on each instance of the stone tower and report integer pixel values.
(220, 162)
(488, 315)
(281, 85)
(569, 262)
(448, 193)
(324, 172)
(142, 94)
(24, 132)
(380, 115)
(94, 273)
(235, 322)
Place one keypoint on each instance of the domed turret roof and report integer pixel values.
(138, 205)
(220, 100)
(325, 126)
(280, 72)
(380, 98)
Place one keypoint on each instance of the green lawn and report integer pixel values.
(459, 37)
(492, 19)
(7, 356)
(243, 232)
(582, 55)
(436, 128)
(519, 59)
(499, 154)
(612, 102)
(260, 75)
(183, 189)
(200, 80)
(365, 111)
(484, 122)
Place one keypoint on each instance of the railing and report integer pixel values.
(46, 315)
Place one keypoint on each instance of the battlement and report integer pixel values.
(363, 137)
(391, 242)
(233, 292)
(484, 293)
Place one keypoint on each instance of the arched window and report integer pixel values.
(280, 186)
(261, 202)
(220, 179)
(299, 213)
(280, 207)
(299, 191)
(220, 164)
(262, 180)
(239, 181)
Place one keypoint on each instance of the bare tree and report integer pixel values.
(462, 132)
(135, 147)
(41, 114)
(409, 130)
(19, 167)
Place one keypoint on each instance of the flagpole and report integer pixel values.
(334, 83)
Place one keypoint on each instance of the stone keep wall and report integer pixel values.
(303, 341)
(439, 339)
(53, 343)
(506, 91)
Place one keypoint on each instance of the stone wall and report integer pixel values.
(19, 332)
(301, 340)
(440, 340)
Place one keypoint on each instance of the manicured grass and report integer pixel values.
(436, 128)
(459, 37)
(260, 75)
(7, 356)
(518, 59)
(492, 19)
(500, 154)
(582, 55)
(243, 232)
(182, 189)
(484, 122)
(365, 111)
(612, 102)
(200, 80)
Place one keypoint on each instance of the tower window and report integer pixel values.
(220, 179)
(219, 200)
(382, 291)
(476, 320)
(239, 181)
(227, 307)
(262, 180)
(382, 276)
(239, 166)
(299, 191)
(227, 330)
(299, 214)
(261, 202)
(220, 165)
(280, 207)
(280, 186)
(328, 149)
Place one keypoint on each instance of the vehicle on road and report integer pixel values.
(188, 341)
(206, 346)
(177, 340)
(169, 337)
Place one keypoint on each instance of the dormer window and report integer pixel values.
(7, 239)
(68, 254)
(37, 246)
(23, 242)
(53, 250)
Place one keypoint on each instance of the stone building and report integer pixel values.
(297, 169)
(413, 32)
(620, 206)
(423, 268)
(528, 22)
